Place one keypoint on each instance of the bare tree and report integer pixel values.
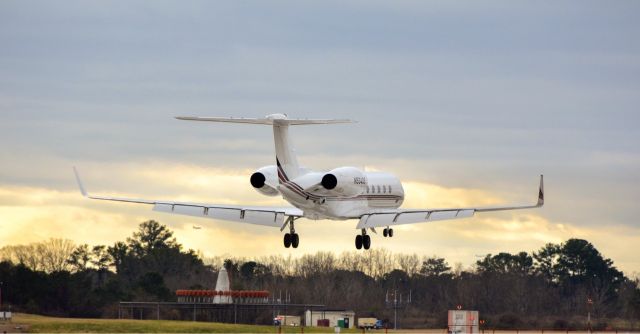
(54, 254)
(313, 264)
(409, 263)
(28, 256)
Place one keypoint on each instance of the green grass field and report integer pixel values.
(42, 324)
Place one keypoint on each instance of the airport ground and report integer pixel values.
(28, 323)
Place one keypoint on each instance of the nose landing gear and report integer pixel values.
(387, 232)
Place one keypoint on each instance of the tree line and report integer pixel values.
(553, 287)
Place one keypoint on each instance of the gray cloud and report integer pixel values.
(483, 95)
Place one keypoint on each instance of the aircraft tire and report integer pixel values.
(366, 241)
(385, 232)
(295, 240)
(287, 240)
(358, 241)
(390, 233)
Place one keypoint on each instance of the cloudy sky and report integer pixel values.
(467, 102)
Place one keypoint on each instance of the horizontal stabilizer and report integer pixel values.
(277, 119)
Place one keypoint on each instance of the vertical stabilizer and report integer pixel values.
(285, 155)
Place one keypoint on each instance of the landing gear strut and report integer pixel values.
(387, 232)
(363, 240)
(291, 239)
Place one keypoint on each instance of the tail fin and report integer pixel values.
(286, 160)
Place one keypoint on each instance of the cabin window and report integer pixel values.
(367, 189)
(384, 189)
(389, 189)
(378, 189)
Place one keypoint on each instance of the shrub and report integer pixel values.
(509, 321)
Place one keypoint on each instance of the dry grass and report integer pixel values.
(42, 324)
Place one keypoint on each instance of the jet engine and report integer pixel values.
(265, 180)
(343, 181)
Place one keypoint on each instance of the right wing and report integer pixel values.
(258, 215)
(412, 216)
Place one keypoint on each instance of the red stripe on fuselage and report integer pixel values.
(284, 180)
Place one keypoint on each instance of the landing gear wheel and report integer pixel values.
(385, 232)
(366, 241)
(295, 240)
(358, 241)
(287, 240)
(390, 232)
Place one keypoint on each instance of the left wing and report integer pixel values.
(400, 216)
(259, 215)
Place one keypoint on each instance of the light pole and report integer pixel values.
(589, 304)
(396, 303)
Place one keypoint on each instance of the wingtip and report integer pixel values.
(80, 185)
(541, 191)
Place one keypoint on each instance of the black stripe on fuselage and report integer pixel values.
(284, 180)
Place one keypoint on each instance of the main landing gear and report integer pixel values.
(291, 239)
(363, 240)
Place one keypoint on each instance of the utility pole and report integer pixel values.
(395, 309)
(589, 305)
(396, 302)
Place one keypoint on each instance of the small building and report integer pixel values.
(287, 320)
(5, 316)
(463, 321)
(330, 318)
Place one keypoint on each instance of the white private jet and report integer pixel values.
(374, 198)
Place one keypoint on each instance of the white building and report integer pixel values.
(463, 321)
(341, 318)
(5, 316)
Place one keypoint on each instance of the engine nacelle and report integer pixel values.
(344, 181)
(265, 180)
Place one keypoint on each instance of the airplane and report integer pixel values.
(343, 193)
